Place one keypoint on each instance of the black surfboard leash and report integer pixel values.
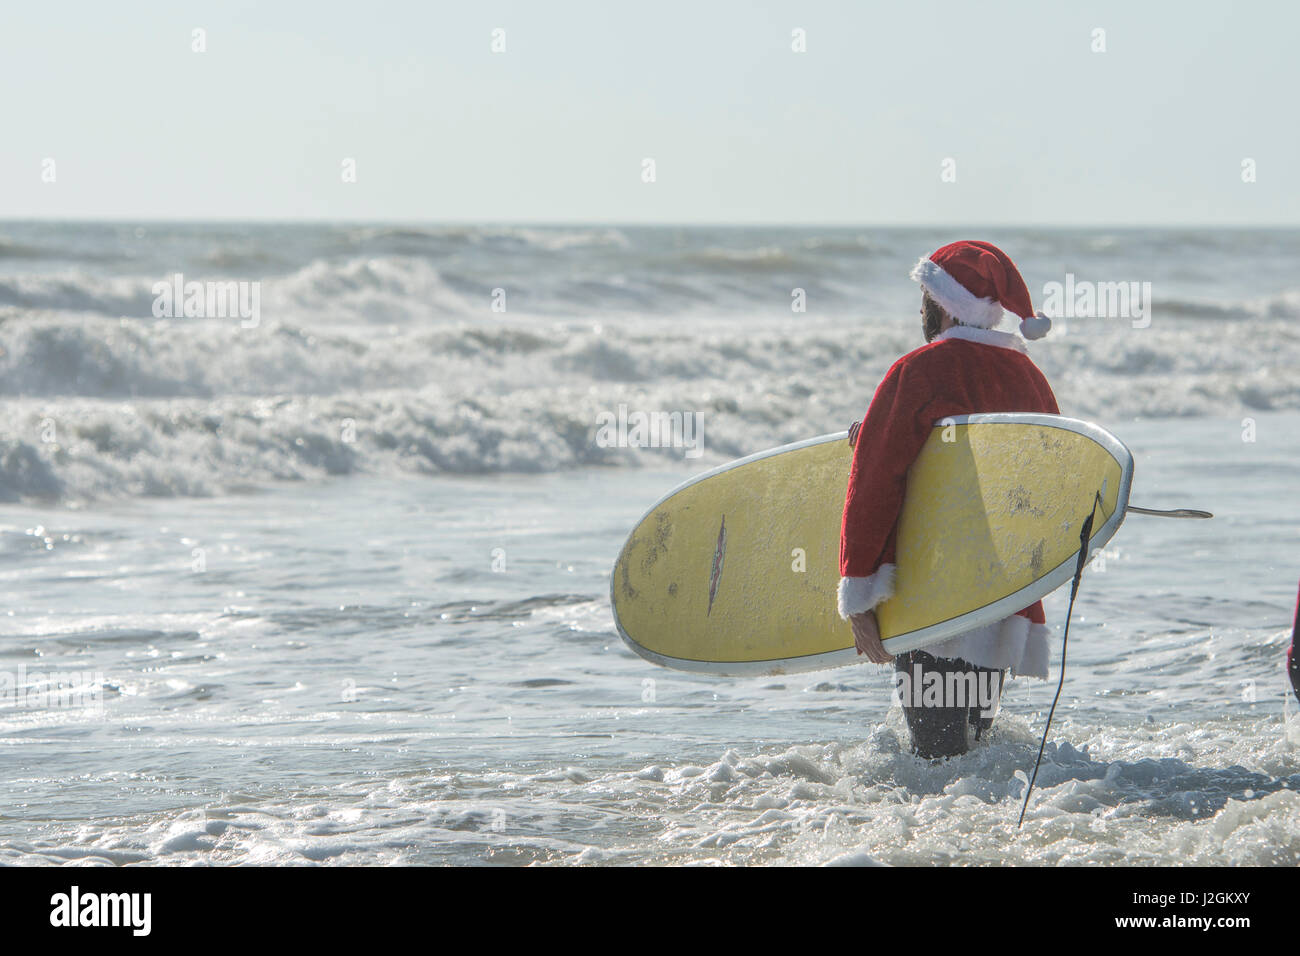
(1085, 536)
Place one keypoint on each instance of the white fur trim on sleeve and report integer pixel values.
(863, 594)
(956, 299)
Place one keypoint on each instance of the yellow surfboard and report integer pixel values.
(736, 571)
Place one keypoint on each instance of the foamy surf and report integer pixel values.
(103, 409)
(347, 567)
(424, 670)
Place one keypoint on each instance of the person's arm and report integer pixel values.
(896, 426)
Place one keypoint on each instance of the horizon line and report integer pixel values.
(646, 223)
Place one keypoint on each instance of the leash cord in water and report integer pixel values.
(1085, 535)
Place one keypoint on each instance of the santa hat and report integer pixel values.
(976, 282)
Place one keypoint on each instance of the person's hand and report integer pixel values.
(853, 434)
(866, 637)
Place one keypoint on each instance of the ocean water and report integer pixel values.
(333, 588)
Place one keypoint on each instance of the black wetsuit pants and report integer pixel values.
(950, 727)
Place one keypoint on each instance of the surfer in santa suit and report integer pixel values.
(967, 367)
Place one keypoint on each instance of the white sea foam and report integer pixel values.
(379, 350)
(380, 670)
(425, 671)
(98, 407)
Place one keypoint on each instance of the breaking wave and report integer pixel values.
(476, 349)
(198, 407)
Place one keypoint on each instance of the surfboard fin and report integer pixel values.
(1175, 513)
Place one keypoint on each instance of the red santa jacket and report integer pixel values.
(963, 371)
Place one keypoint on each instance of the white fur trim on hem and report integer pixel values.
(957, 300)
(1003, 340)
(1014, 642)
(1036, 656)
(862, 594)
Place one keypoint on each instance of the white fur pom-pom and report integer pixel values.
(1036, 327)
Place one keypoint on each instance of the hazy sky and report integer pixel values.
(741, 128)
